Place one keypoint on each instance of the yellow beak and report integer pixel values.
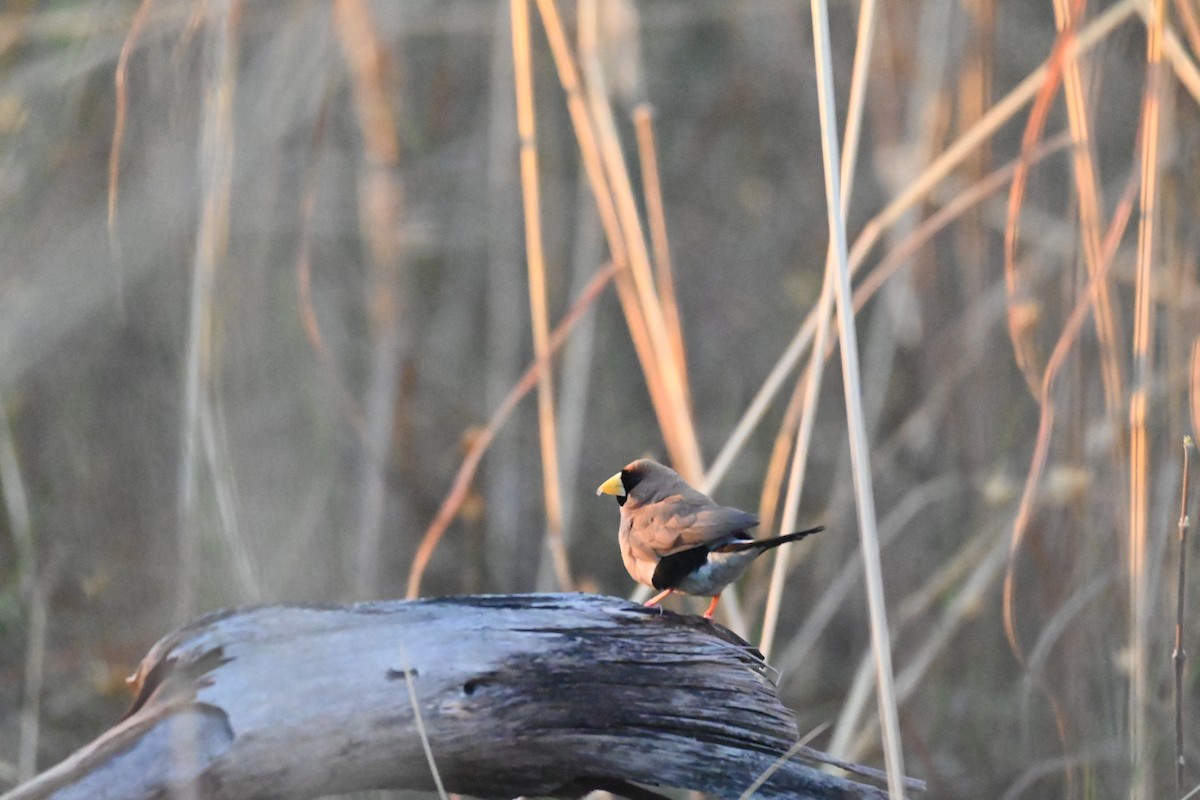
(612, 486)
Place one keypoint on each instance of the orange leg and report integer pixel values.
(712, 607)
(658, 598)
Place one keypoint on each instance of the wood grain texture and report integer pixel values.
(519, 694)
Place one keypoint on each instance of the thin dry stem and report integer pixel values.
(923, 233)
(304, 298)
(16, 504)
(1179, 654)
(215, 438)
(836, 591)
(367, 58)
(1023, 310)
(860, 462)
(1139, 444)
(413, 703)
(1034, 676)
(35, 674)
(308, 313)
(539, 315)
(791, 752)
(643, 125)
(867, 288)
(962, 202)
(1067, 14)
(955, 154)
(812, 384)
(1191, 25)
(817, 757)
(216, 159)
(984, 571)
(1182, 63)
(586, 136)
(974, 97)
(479, 443)
(811, 389)
(1041, 451)
(685, 453)
(580, 354)
(1002, 112)
(1060, 622)
(1194, 389)
(121, 113)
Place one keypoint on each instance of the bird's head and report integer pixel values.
(640, 480)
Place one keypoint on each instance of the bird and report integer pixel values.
(676, 539)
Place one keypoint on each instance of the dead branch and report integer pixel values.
(519, 695)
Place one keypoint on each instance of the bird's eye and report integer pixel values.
(630, 478)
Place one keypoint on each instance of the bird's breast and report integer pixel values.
(639, 566)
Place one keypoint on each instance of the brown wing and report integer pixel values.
(681, 522)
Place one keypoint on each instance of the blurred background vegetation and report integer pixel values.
(263, 284)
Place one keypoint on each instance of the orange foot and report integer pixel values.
(712, 607)
(658, 598)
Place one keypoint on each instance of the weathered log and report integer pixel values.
(518, 695)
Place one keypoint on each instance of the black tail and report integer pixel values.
(767, 544)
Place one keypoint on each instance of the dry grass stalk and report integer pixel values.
(869, 285)
(31, 587)
(758, 405)
(866, 289)
(453, 501)
(304, 298)
(214, 434)
(1023, 311)
(1086, 39)
(812, 383)
(539, 315)
(974, 97)
(859, 455)
(671, 375)
(1139, 446)
(923, 233)
(643, 125)
(1067, 14)
(1179, 654)
(415, 705)
(216, 168)
(1181, 61)
(1041, 451)
(1191, 25)
(801, 744)
(983, 568)
(836, 591)
(586, 135)
(35, 674)
(1002, 112)
(121, 113)
(596, 166)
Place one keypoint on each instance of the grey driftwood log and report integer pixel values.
(518, 695)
